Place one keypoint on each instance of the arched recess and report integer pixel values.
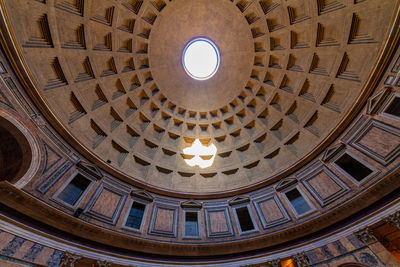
(19, 152)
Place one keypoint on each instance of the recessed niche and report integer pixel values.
(353, 167)
(245, 222)
(191, 224)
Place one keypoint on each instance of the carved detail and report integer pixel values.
(274, 263)
(103, 263)
(69, 259)
(301, 259)
(366, 235)
(393, 220)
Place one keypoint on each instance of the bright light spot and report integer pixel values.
(201, 59)
(200, 155)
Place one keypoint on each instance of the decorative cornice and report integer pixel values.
(91, 169)
(239, 200)
(332, 151)
(375, 102)
(285, 183)
(192, 204)
(143, 195)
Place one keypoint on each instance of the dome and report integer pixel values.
(287, 142)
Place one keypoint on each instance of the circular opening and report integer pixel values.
(201, 59)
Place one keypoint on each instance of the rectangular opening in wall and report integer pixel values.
(135, 216)
(245, 221)
(298, 202)
(394, 107)
(191, 224)
(353, 167)
(74, 190)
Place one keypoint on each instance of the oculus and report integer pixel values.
(201, 59)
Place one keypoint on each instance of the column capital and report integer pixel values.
(103, 263)
(274, 263)
(366, 236)
(69, 259)
(393, 219)
(301, 259)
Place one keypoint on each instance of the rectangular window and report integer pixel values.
(74, 190)
(245, 221)
(135, 216)
(191, 224)
(298, 202)
(353, 167)
(394, 107)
